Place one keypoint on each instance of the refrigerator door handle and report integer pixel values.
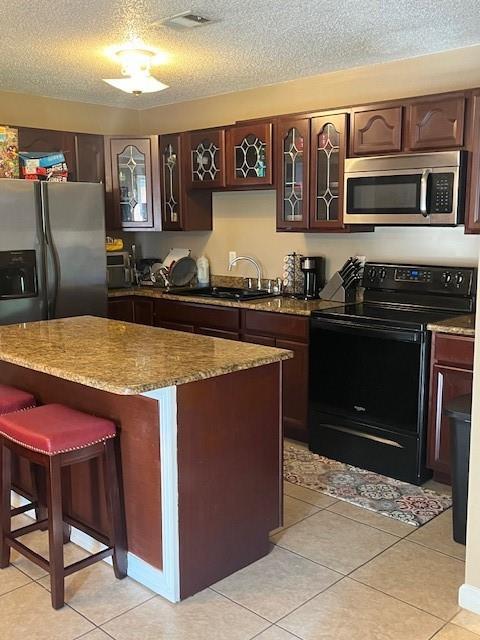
(52, 260)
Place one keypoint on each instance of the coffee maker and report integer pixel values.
(313, 269)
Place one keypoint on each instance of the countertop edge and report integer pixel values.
(461, 325)
(260, 304)
(279, 356)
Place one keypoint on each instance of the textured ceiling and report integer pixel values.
(57, 48)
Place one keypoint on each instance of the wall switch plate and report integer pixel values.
(231, 256)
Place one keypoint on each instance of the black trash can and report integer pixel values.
(460, 413)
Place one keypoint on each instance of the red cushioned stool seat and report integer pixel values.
(12, 399)
(53, 438)
(55, 428)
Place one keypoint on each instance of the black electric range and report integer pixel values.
(369, 365)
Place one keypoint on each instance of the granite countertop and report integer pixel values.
(279, 304)
(460, 325)
(125, 358)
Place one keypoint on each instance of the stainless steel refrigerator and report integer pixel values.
(52, 250)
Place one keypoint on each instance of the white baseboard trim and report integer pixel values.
(469, 598)
(138, 569)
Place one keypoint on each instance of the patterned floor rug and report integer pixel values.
(393, 498)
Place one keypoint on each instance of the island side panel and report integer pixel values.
(229, 473)
(138, 420)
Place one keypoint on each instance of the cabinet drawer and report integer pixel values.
(201, 315)
(266, 322)
(218, 333)
(455, 350)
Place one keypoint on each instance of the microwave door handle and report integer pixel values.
(423, 192)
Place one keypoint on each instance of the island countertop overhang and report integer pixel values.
(125, 358)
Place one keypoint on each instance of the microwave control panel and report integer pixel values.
(419, 278)
(441, 198)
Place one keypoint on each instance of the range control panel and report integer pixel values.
(420, 278)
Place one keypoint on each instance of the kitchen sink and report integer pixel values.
(224, 293)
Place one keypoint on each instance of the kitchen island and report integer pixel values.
(199, 420)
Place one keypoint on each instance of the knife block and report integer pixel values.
(335, 290)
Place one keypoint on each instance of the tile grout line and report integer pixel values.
(98, 626)
(424, 546)
(349, 575)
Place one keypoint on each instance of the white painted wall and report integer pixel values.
(245, 222)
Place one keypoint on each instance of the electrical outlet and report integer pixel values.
(231, 256)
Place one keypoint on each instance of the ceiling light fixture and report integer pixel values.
(136, 60)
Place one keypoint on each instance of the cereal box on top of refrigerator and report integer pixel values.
(9, 167)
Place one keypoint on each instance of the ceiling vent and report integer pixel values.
(185, 20)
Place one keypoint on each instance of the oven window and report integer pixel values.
(367, 379)
(384, 194)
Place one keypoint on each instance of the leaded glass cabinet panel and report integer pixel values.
(170, 167)
(133, 190)
(293, 149)
(328, 157)
(206, 162)
(249, 155)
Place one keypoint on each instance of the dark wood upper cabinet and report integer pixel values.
(329, 139)
(472, 201)
(132, 182)
(90, 157)
(205, 159)
(292, 153)
(182, 209)
(435, 124)
(249, 155)
(376, 131)
(50, 141)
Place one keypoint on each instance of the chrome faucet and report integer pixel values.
(255, 264)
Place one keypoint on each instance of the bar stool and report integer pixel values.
(56, 437)
(12, 400)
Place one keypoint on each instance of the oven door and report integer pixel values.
(402, 197)
(367, 395)
(370, 373)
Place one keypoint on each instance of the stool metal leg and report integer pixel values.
(118, 538)
(55, 526)
(6, 483)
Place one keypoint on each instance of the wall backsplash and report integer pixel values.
(245, 222)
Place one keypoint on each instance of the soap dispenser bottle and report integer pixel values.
(203, 271)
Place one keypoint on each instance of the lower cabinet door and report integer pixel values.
(295, 390)
(447, 383)
(267, 341)
(120, 309)
(143, 310)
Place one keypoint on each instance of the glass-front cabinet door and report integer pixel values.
(132, 185)
(206, 161)
(249, 155)
(328, 157)
(293, 158)
(170, 168)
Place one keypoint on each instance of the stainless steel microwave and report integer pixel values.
(413, 189)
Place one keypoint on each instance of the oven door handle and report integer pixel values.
(383, 332)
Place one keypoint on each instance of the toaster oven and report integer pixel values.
(119, 270)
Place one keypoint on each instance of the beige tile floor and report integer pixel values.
(335, 572)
